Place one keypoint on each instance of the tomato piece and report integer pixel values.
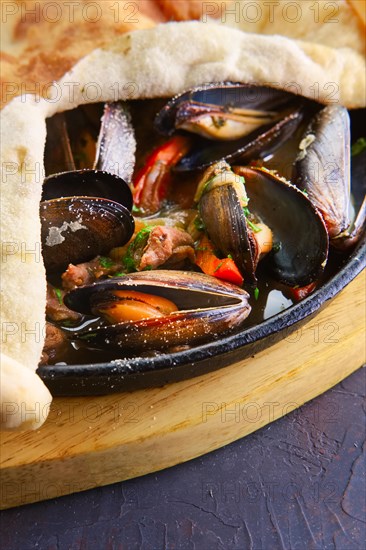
(151, 183)
(210, 264)
(299, 293)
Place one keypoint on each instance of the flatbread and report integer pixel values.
(25, 400)
(158, 62)
(338, 24)
(42, 40)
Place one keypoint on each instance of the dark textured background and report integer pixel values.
(298, 484)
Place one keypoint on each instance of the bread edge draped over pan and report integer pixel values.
(158, 62)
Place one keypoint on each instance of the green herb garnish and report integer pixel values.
(87, 336)
(58, 294)
(254, 227)
(256, 293)
(106, 262)
(129, 261)
(119, 274)
(68, 323)
(136, 209)
(198, 223)
(358, 146)
(218, 121)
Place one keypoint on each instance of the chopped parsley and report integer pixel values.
(252, 225)
(87, 336)
(136, 209)
(358, 146)
(119, 274)
(218, 121)
(58, 294)
(198, 223)
(68, 323)
(129, 259)
(106, 262)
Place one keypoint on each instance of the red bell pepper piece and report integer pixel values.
(299, 293)
(212, 265)
(151, 183)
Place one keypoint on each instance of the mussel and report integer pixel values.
(245, 121)
(220, 205)
(206, 309)
(300, 235)
(85, 213)
(114, 151)
(298, 229)
(76, 229)
(322, 169)
(116, 145)
(87, 183)
(224, 110)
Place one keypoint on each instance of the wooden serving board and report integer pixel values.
(92, 441)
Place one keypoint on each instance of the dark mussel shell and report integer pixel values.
(116, 145)
(221, 210)
(322, 167)
(222, 97)
(69, 134)
(287, 115)
(256, 145)
(207, 308)
(76, 229)
(88, 183)
(299, 230)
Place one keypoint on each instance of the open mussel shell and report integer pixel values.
(322, 167)
(298, 228)
(207, 308)
(222, 213)
(222, 99)
(116, 145)
(72, 142)
(88, 183)
(76, 229)
(258, 144)
(253, 121)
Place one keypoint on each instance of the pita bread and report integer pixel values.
(25, 400)
(42, 40)
(338, 24)
(159, 62)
